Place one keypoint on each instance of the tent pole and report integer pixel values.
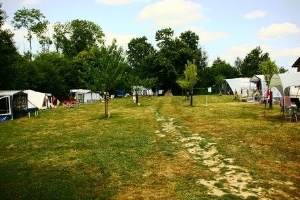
(265, 107)
(283, 103)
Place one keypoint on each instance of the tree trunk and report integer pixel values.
(30, 47)
(271, 100)
(106, 98)
(136, 98)
(191, 98)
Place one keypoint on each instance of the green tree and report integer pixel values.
(34, 21)
(250, 65)
(50, 69)
(190, 38)
(268, 68)
(171, 57)
(219, 81)
(78, 35)
(221, 67)
(106, 68)
(190, 79)
(163, 37)
(238, 64)
(9, 57)
(138, 53)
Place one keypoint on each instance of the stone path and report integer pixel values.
(229, 178)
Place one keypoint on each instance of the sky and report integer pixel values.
(227, 28)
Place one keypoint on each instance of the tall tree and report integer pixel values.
(8, 55)
(171, 58)
(51, 74)
(78, 35)
(190, 38)
(221, 67)
(238, 64)
(163, 37)
(220, 79)
(139, 50)
(268, 68)
(34, 21)
(250, 64)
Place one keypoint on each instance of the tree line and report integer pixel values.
(76, 56)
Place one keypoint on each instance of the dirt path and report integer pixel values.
(229, 178)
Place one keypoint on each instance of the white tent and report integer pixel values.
(283, 82)
(91, 97)
(295, 91)
(240, 85)
(38, 100)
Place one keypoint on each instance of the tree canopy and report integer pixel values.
(32, 20)
(250, 64)
(73, 37)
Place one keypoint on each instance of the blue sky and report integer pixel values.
(227, 29)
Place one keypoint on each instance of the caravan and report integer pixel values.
(85, 96)
(13, 104)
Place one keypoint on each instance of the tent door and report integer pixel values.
(5, 107)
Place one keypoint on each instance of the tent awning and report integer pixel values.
(239, 84)
(297, 63)
(257, 78)
(284, 81)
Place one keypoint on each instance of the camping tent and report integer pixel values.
(283, 82)
(13, 104)
(91, 97)
(240, 85)
(261, 86)
(38, 100)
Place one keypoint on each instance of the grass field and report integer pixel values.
(162, 149)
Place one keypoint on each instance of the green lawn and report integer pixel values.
(162, 149)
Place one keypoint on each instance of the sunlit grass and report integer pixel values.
(77, 153)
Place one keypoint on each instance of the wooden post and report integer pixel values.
(106, 96)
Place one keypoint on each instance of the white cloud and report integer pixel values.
(208, 36)
(237, 51)
(278, 30)
(21, 42)
(119, 2)
(29, 2)
(122, 39)
(286, 52)
(255, 14)
(171, 13)
(19, 34)
(275, 54)
(283, 57)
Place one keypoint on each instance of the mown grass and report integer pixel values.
(76, 153)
